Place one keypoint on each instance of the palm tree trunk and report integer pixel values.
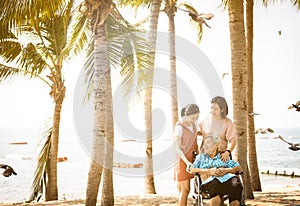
(101, 68)
(253, 167)
(108, 188)
(172, 57)
(239, 83)
(51, 187)
(149, 177)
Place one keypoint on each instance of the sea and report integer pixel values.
(272, 154)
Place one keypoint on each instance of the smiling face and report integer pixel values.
(209, 145)
(192, 118)
(216, 111)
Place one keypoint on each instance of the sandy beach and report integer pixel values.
(289, 195)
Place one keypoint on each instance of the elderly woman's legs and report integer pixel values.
(215, 201)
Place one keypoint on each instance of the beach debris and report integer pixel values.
(296, 106)
(294, 147)
(8, 170)
(264, 130)
(127, 165)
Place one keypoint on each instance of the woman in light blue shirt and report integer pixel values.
(218, 177)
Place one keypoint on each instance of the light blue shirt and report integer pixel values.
(203, 161)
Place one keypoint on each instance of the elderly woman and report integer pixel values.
(218, 177)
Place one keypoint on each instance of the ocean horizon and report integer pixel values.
(272, 153)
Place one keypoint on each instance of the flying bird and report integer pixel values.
(264, 130)
(252, 114)
(199, 18)
(8, 170)
(293, 146)
(296, 106)
(224, 74)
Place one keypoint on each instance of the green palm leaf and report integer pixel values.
(39, 179)
(128, 49)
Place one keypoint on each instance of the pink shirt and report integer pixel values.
(222, 128)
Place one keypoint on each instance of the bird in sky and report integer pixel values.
(224, 74)
(200, 18)
(296, 106)
(197, 17)
(264, 130)
(8, 170)
(293, 146)
(252, 114)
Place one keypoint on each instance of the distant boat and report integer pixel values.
(62, 159)
(18, 143)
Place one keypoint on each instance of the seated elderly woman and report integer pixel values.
(218, 177)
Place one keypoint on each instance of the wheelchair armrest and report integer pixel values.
(196, 174)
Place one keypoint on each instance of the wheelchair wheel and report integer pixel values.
(198, 193)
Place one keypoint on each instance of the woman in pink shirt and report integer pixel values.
(217, 124)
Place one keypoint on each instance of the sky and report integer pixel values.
(26, 103)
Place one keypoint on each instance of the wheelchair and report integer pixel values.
(199, 195)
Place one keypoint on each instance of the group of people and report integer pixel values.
(217, 170)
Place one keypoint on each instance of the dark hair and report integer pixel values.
(222, 104)
(191, 109)
(182, 113)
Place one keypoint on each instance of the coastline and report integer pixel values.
(289, 195)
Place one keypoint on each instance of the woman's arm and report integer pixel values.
(223, 171)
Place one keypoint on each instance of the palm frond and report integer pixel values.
(135, 3)
(89, 72)
(39, 179)
(296, 3)
(128, 49)
(14, 12)
(142, 21)
(7, 73)
(79, 35)
(135, 52)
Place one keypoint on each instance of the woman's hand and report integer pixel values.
(225, 156)
(188, 166)
(218, 172)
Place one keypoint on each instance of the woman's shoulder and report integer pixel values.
(228, 120)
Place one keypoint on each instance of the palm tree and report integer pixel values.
(170, 9)
(53, 34)
(239, 85)
(197, 19)
(154, 15)
(252, 157)
(149, 177)
(115, 42)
